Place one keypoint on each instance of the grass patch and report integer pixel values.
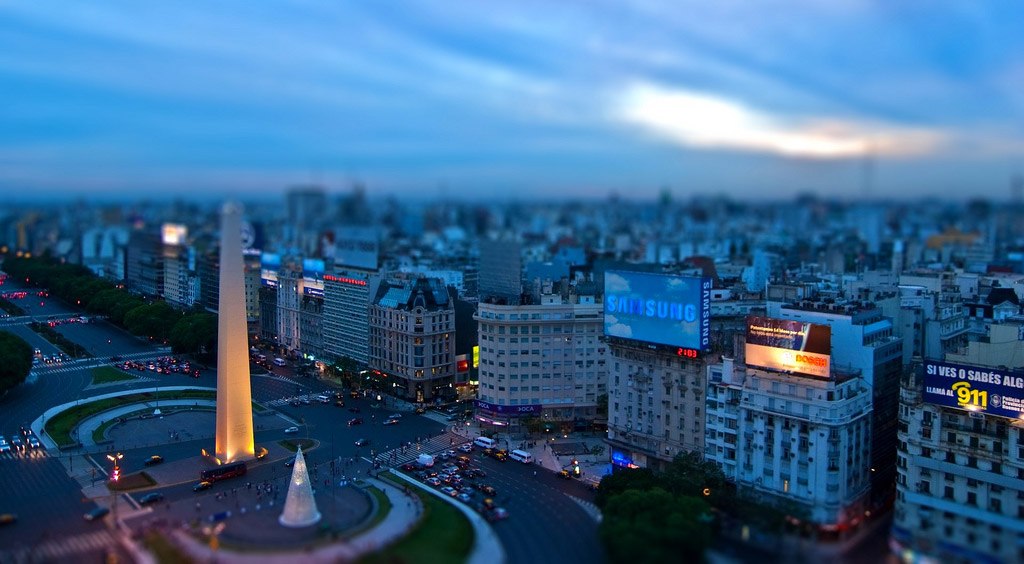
(259, 408)
(71, 348)
(10, 308)
(443, 535)
(131, 482)
(107, 374)
(383, 508)
(59, 427)
(293, 444)
(164, 551)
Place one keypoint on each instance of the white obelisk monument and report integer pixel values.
(300, 506)
(234, 395)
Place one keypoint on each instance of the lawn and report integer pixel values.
(164, 551)
(442, 535)
(383, 508)
(131, 482)
(107, 374)
(294, 444)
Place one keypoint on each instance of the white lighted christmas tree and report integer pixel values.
(299, 507)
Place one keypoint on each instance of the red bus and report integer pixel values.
(224, 472)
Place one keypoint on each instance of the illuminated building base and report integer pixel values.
(299, 507)
(234, 394)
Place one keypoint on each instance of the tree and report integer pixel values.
(15, 360)
(154, 320)
(624, 480)
(655, 526)
(194, 333)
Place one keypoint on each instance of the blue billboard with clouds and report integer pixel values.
(658, 308)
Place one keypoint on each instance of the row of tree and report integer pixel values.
(670, 516)
(15, 360)
(194, 331)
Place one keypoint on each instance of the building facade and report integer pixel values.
(346, 329)
(787, 437)
(412, 340)
(544, 360)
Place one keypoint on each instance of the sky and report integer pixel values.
(511, 100)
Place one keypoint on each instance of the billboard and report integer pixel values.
(657, 308)
(791, 346)
(355, 247)
(509, 409)
(988, 390)
(270, 263)
(173, 234)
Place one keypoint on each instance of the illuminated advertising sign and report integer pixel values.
(270, 263)
(509, 409)
(656, 308)
(974, 388)
(791, 346)
(174, 234)
(476, 356)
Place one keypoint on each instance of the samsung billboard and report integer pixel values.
(658, 308)
(790, 346)
(985, 390)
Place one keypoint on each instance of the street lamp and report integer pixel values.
(115, 476)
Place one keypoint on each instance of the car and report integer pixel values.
(306, 401)
(564, 474)
(353, 394)
(17, 445)
(453, 417)
(362, 442)
(355, 421)
(391, 422)
(291, 430)
(480, 473)
(155, 459)
(432, 481)
(296, 403)
(395, 416)
(466, 448)
(464, 497)
(497, 514)
(463, 460)
(339, 403)
(34, 442)
(337, 395)
(354, 409)
(219, 516)
(408, 466)
(98, 513)
(488, 504)
(8, 519)
(290, 462)
(261, 453)
(151, 497)
(448, 490)
(420, 411)
(204, 485)
(488, 490)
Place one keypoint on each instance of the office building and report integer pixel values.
(412, 339)
(542, 359)
(501, 270)
(346, 319)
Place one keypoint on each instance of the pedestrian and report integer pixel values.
(197, 507)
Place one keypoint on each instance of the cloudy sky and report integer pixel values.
(513, 99)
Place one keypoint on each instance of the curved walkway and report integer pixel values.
(38, 426)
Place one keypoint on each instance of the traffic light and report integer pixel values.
(117, 473)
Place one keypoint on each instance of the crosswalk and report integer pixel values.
(85, 363)
(29, 455)
(432, 445)
(64, 549)
(311, 397)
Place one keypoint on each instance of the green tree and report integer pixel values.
(655, 526)
(15, 360)
(155, 320)
(624, 480)
(194, 333)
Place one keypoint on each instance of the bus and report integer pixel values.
(223, 472)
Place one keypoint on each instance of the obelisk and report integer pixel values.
(234, 395)
(299, 506)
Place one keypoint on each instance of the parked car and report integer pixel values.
(98, 513)
(291, 430)
(155, 459)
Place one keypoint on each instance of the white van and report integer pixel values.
(279, 361)
(322, 398)
(485, 442)
(426, 460)
(521, 456)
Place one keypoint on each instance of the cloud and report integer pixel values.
(700, 120)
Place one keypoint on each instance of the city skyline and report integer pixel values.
(848, 99)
